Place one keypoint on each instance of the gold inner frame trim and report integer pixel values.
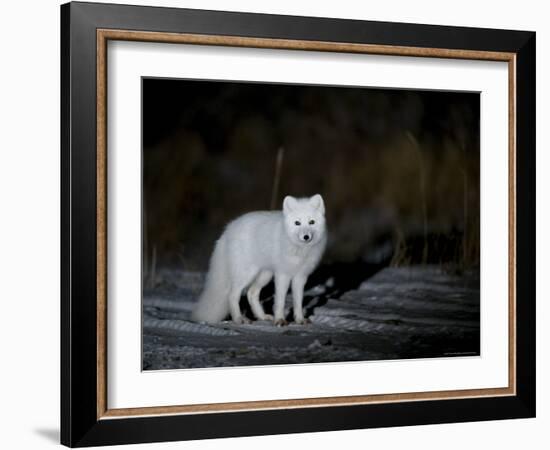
(103, 36)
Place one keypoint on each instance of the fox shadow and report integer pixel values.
(328, 281)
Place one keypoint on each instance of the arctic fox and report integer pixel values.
(258, 246)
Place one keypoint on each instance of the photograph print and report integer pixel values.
(298, 224)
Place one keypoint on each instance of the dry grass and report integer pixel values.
(423, 185)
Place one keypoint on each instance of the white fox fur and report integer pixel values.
(258, 246)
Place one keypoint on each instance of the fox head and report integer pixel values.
(304, 219)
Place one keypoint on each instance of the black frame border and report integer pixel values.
(79, 423)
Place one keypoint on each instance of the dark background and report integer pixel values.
(398, 169)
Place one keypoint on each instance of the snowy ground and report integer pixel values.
(409, 312)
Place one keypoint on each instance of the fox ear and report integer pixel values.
(318, 203)
(289, 204)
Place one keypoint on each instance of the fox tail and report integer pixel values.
(213, 303)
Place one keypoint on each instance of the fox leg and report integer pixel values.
(282, 282)
(240, 279)
(253, 294)
(234, 308)
(298, 283)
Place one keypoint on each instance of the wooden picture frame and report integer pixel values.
(86, 418)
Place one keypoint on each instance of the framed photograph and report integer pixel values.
(277, 224)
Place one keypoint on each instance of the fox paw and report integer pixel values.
(242, 320)
(302, 321)
(266, 317)
(281, 322)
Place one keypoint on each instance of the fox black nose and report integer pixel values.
(306, 237)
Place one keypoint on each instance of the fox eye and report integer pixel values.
(311, 222)
(297, 223)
